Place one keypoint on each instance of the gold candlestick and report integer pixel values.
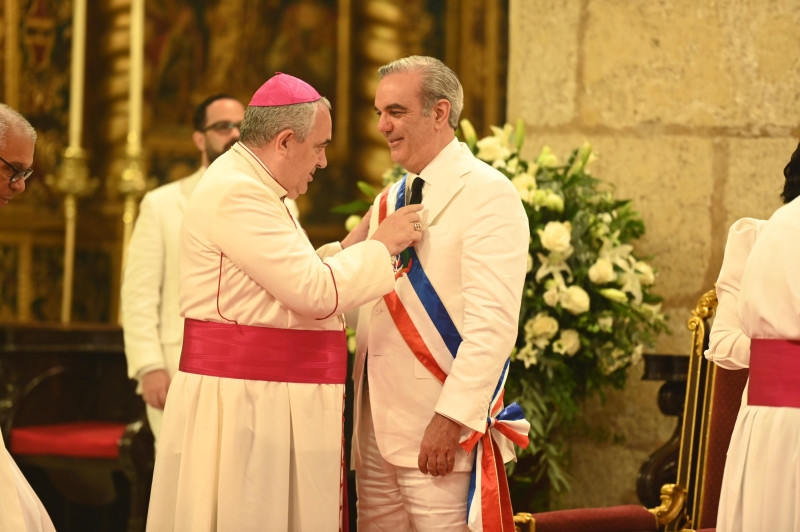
(132, 182)
(73, 174)
(78, 70)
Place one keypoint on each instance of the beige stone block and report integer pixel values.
(690, 63)
(662, 62)
(679, 342)
(630, 427)
(756, 179)
(561, 143)
(766, 47)
(543, 60)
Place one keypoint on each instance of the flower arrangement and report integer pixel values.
(588, 310)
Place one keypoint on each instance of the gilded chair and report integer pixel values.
(713, 397)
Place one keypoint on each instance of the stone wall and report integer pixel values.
(693, 109)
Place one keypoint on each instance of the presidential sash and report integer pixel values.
(434, 339)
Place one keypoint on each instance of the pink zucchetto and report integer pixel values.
(283, 89)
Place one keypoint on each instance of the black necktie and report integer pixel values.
(416, 191)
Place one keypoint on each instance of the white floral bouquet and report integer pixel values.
(587, 309)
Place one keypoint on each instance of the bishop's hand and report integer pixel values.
(400, 229)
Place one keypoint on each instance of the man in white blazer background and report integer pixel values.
(411, 473)
(151, 322)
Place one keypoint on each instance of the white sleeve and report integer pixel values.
(287, 267)
(140, 294)
(728, 346)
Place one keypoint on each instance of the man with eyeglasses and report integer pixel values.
(17, 139)
(151, 321)
(20, 508)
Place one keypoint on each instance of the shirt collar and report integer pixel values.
(442, 160)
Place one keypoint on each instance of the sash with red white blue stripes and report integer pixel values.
(435, 342)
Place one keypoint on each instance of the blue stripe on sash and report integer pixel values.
(502, 379)
(401, 194)
(427, 293)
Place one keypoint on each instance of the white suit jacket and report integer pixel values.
(151, 320)
(474, 250)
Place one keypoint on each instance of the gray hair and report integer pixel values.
(438, 82)
(262, 124)
(12, 120)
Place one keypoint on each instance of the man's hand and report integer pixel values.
(154, 388)
(359, 233)
(437, 453)
(399, 230)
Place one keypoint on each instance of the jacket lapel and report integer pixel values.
(187, 186)
(444, 176)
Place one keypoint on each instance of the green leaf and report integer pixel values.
(367, 189)
(354, 207)
(519, 131)
(469, 135)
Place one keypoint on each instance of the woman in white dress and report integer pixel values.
(758, 326)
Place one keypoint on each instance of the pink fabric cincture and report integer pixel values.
(264, 353)
(774, 373)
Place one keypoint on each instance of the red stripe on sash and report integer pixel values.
(520, 439)
(264, 353)
(382, 206)
(774, 373)
(400, 315)
(497, 514)
(411, 335)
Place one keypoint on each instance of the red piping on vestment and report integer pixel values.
(219, 285)
(288, 212)
(337, 294)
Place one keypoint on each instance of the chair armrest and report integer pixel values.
(627, 518)
(673, 499)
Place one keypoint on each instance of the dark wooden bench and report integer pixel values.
(74, 424)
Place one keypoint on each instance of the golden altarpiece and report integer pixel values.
(110, 86)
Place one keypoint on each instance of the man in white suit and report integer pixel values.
(453, 314)
(151, 321)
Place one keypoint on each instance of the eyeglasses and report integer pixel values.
(223, 126)
(18, 174)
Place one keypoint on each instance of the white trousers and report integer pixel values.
(155, 416)
(400, 498)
